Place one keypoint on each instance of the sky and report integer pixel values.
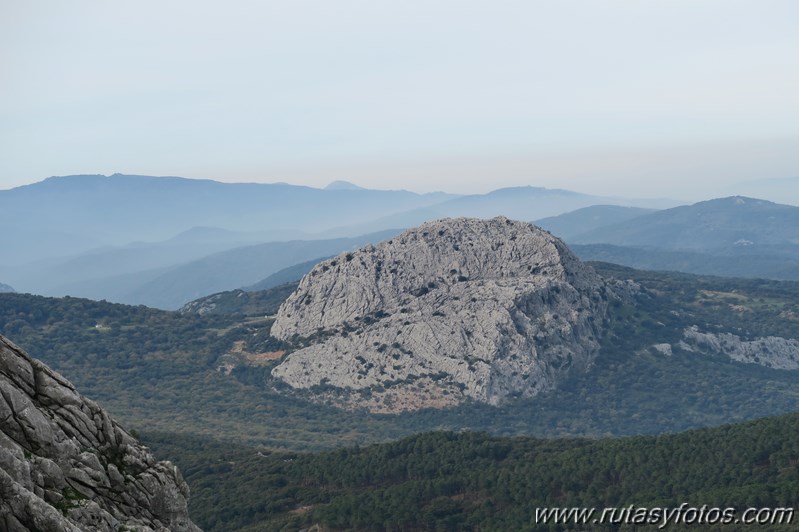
(679, 98)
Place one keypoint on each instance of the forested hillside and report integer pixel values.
(451, 481)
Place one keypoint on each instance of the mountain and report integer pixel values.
(741, 265)
(725, 224)
(343, 185)
(452, 310)
(85, 273)
(235, 268)
(290, 274)
(782, 190)
(63, 216)
(521, 203)
(172, 287)
(6, 288)
(733, 236)
(571, 224)
(106, 236)
(65, 464)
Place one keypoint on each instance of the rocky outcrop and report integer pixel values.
(770, 351)
(453, 310)
(65, 465)
(208, 304)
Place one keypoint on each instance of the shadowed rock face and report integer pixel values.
(65, 465)
(452, 310)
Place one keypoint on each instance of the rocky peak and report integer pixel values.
(66, 465)
(455, 309)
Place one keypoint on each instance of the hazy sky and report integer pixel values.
(669, 98)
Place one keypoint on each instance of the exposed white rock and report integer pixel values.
(452, 310)
(65, 465)
(770, 351)
(663, 349)
(201, 306)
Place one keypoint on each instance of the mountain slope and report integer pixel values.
(521, 203)
(724, 224)
(290, 274)
(78, 234)
(235, 268)
(66, 465)
(6, 288)
(65, 215)
(781, 190)
(468, 481)
(82, 273)
(740, 237)
(749, 265)
(577, 222)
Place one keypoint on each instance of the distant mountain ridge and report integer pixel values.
(103, 236)
(343, 185)
(577, 222)
(716, 224)
(747, 266)
(520, 203)
(286, 275)
(735, 236)
(170, 288)
(6, 288)
(138, 258)
(780, 190)
(75, 213)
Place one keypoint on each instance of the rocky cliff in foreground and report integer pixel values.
(453, 310)
(65, 465)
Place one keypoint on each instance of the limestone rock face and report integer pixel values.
(769, 351)
(453, 310)
(65, 465)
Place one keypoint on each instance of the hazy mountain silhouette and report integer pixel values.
(732, 223)
(781, 190)
(103, 236)
(521, 203)
(580, 221)
(286, 275)
(170, 288)
(735, 236)
(66, 215)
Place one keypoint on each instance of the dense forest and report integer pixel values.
(472, 481)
